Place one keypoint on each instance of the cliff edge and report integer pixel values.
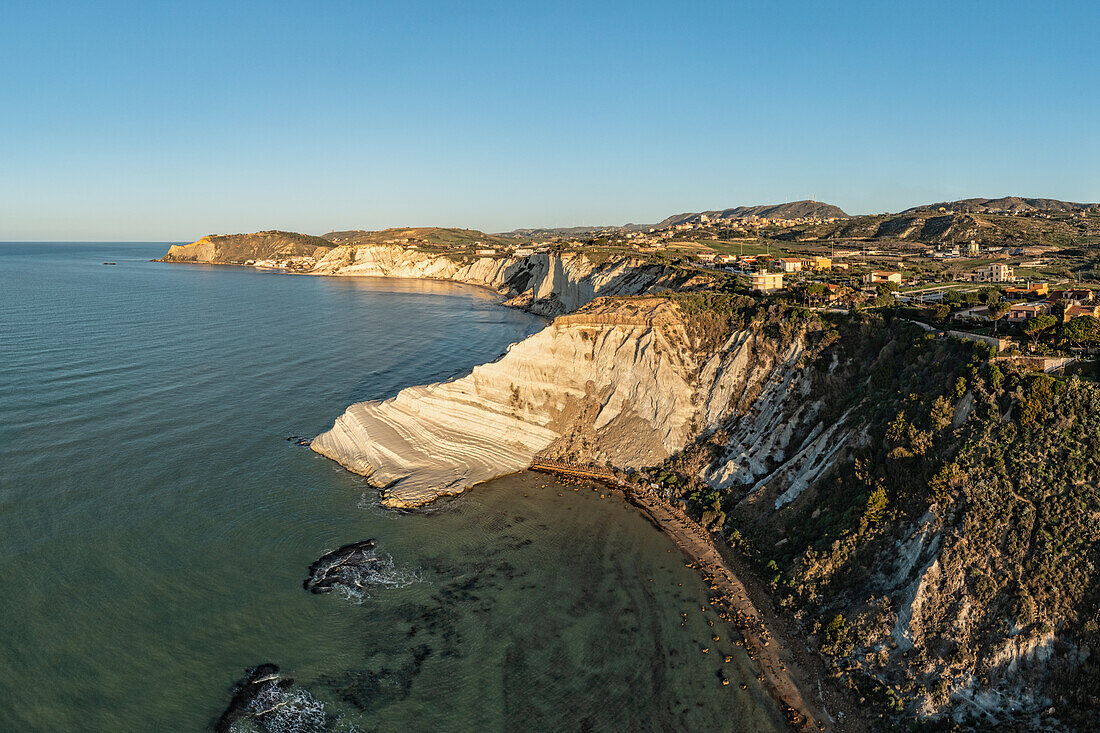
(618, 372)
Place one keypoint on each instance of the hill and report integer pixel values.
(929, 226)
(239, 248)
(1003, 205)
(580, 231)
(791, 210)
(443, 237)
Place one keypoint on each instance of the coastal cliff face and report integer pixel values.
(609, 384)
(546, 283)
(934, 522)
(622, 381)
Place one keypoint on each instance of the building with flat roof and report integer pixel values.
(1024, 311)
(879, 277)
(766, 282)
(994, 273)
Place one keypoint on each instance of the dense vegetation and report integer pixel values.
(1002, 468)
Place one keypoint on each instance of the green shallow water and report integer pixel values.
(156, 526)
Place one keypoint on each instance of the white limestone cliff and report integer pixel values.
(623, 381)
(547, 283)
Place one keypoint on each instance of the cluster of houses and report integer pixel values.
(769, 281)
(1037, 299)
(970, 250)
(749, 221)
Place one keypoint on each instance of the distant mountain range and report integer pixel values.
(791, 210)
(1003, 205)
(576, 231)
(1006, 205)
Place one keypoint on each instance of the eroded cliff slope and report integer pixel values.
(933, 521)
(612, 381)
(547, 283)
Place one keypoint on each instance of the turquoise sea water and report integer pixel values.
(156, 525)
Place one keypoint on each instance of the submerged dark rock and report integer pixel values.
(249, 694)
(340, 567)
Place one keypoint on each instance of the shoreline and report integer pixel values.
(783, 660)
(501, 298)
(787, 668)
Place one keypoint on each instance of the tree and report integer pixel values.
(884, 294)
(988, 294)
(1082, 330)
(763, 263)
(997, 311)
(1032, 327)
(812, 292)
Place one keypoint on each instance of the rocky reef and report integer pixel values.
(267, 701)
(342, 566)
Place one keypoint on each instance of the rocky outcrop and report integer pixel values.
(607, 384)
(265, 700)
(342, 566)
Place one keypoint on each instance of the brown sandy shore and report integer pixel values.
(792, 674)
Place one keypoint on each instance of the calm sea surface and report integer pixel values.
(156, 525)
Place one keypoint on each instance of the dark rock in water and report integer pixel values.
(259, 682)
(340, 567)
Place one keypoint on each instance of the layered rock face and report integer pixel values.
(619, 381)
(615, 387)
(544, 283)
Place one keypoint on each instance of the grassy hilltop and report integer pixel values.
(239, 248)
(236, 249)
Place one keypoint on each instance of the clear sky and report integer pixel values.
(162, 120)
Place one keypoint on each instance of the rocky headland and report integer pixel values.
(546, 283)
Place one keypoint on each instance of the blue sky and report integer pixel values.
(169, 120)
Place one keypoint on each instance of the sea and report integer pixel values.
(156, 524)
